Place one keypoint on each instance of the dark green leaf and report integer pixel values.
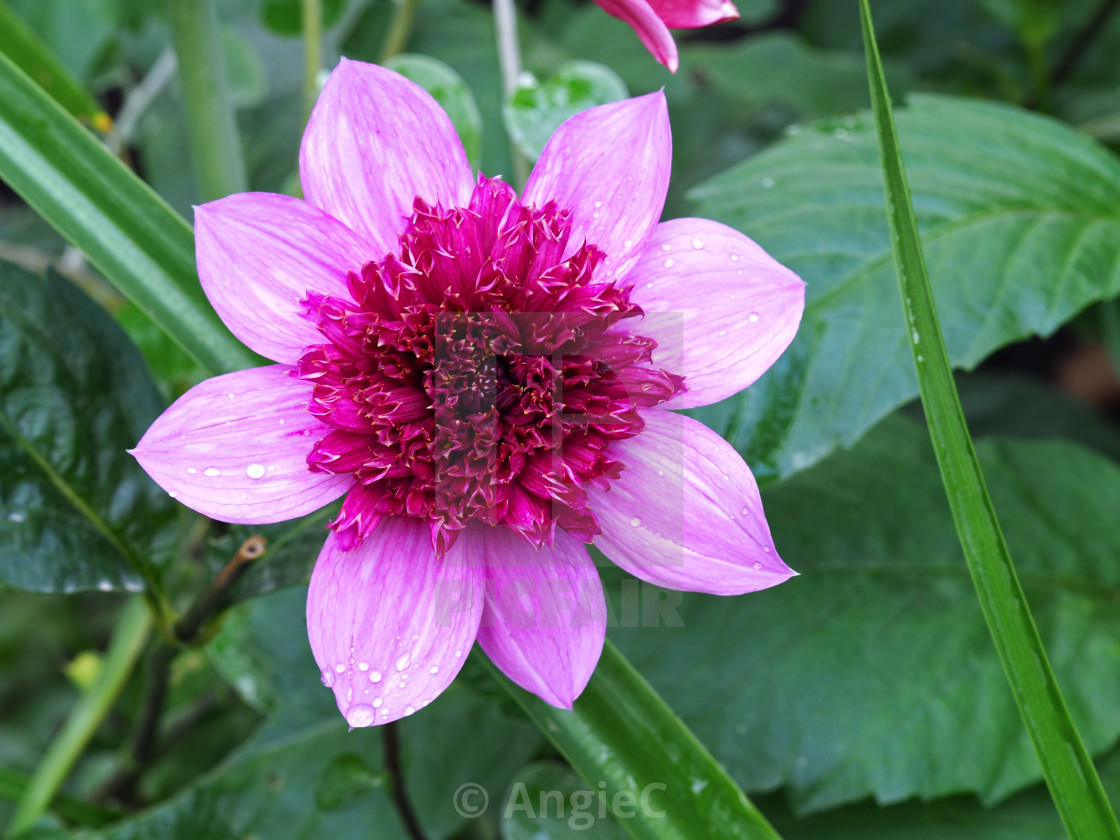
(284, 17)
(872, 674)
(547, 801)
(1020, 219)
(78, 513)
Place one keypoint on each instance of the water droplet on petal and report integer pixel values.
(363, 666)
(635, 521)
(669, 263)
(434, 669)
(408, 710)
(191, 471)
(698, 244)
(340, 667)
(327, 677)
(757, 565)
(753, 317)
(374, 676)
(402, 662)
(172, 494)
(665, 246)
(233, 396)
(734, 258)
(212, 472)
(255, 471)
(360, 714)
(377, 701)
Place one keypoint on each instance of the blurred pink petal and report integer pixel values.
(652, 20)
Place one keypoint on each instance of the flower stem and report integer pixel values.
(85, 718)
(210, 119)
(400, 28)
(1066, 765)
(509, 57)
(312, 13)
(394, 767)
(13, 784)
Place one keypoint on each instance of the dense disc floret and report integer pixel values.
(480, 374)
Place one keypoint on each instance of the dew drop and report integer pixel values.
(255, 471)
(669, 263)
(340, 667)
(458, 653)
(232, 396)
(661, 473)
(172, 494)
(767, 183)
(916, 337)
(434, 669)
(665, 246)
(698, 244)
(360, 714)
(191, 471)
(598, 204)
(635, 521)
(734, 258)
(363, 666)
(403, 661)
(375, 676)
(408, 710)
(753, 317)
(377, 701)
(327, 677)
(757, 565)
(212, 472)
(281, 421)
(723, 332)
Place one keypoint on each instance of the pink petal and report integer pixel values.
(686, 513)
(691, 14)
(235, 449)
(390, 624)
(720, 309)
(644, 20)
(376, 142)
(545, 617)
(610, 166)
(258, 256)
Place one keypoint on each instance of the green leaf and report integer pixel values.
(283, 16)
(547, 801)
(536, 109)
(28, 52)
(1066, 764)
(1020, 222)
(125, 229)
(78, 512)
(451, 92)
(872, 674)
(626, 741)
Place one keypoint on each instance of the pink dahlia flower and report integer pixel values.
(485, 377)
(652, 20)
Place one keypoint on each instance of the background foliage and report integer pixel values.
(862, 699)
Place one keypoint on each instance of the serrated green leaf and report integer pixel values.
(77, 512)
(1020, 222)
(536, 109)
(451, 92)
(125, 229)
(872, 674)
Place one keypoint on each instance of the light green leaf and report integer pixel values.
(78, 513)
(536, 109)
(872, 674)
(451, 92)
(1020, 220)
(132, 236)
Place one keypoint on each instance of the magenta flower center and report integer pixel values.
(480, 374)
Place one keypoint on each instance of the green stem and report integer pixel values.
(622, 735)
(312, 52)
(1066, 765)
(400, 28)
(509, 57)
(1110, 332)
(13, 784)
(85, 718)
(210, 119)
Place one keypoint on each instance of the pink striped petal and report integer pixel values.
(686, 513)
(258, 256)
(390, 624)
(235, 449)
(545, 617)
(643, 19)
(691, 14)
(376, 142)
(720, 309)
(610, 166)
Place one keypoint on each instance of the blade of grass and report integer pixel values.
(28, 52)
(1066, 766)
(139, 243)
(128, 640)
(623, 736)
(216, 145)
